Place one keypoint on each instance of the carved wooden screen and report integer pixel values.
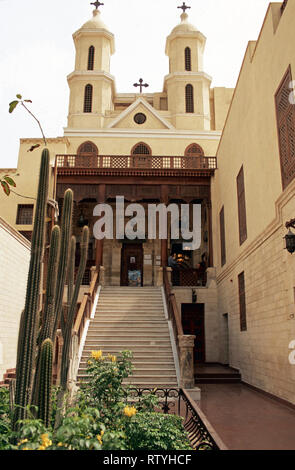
(242, 301)
(285, 110)
(24, 214)
(222, 237)
(242, 206)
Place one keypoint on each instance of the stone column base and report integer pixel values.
(186, 361)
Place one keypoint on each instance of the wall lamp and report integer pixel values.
(290, 237)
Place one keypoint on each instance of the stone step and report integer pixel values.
(167, 365)
(153, 324)
(152, 380)
(138, 352)
(128, 343)
(126, 334)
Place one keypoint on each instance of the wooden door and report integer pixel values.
(132, 265)
(193, 323)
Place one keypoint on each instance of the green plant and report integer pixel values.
(156, 431)
(45, 382)
(5, 419)
(27, 333)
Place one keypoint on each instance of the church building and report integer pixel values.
(228, 152)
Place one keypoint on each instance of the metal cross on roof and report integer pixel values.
(184, 7)
(96, 4)
(141, 84)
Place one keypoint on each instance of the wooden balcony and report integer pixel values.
(128, 164)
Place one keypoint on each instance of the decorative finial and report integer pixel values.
(141, 84)
(96, 4)
(184, 7)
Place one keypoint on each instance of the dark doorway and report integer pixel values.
(132, 265)
(193, 323)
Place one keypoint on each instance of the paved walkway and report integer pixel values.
(246, 419)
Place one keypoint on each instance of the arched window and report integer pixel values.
(90, 58)
(189, 99)
(88, 99)
(194, 150)
(141, 149)
(87, 149)
(188, 59)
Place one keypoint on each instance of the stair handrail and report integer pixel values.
(85, 309)
(173, 311)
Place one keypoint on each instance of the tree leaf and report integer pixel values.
(5, 187)
(31, 149)
(13, 105)
(19, 97)
(28, 101)
(10, 181)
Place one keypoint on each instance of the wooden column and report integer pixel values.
(99, 243)
(164, 243)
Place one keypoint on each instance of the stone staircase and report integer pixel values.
(132, 318)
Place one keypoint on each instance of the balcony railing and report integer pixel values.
(188, 277)
(137, 162)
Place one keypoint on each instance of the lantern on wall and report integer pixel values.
(290, 237)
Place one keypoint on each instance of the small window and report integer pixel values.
(139, 118)
(188, 59)
(242, 207)
(87, 148)
(189, 99)
(242, 301)
(285, 111)
(24, 214)
(141, 149)
(90, 58)
(222, 237)
(194, 150)
(88, 99)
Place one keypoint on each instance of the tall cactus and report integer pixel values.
(66, 229)
(45, 382)
(67, 333)
(49, 304)
(27, 335)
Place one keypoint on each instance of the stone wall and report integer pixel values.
(14, 264)
(207, 296)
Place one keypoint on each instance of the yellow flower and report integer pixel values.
(113, 358)
(60, 444)
(22, 442)
(130, 411)
(25, 448)
(99, 439)
(102, 433)
(42, 448)
(96, 355)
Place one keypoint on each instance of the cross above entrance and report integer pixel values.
(96, 4)
(141, 84)
(184, 7)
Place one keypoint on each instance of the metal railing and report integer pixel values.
(179, 402)
(136, 161)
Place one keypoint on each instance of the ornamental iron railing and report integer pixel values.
(176, 401)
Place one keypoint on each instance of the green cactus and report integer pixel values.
(45, 382)
(48, 310)
(68, 328)
(27, 335)
(66, 228)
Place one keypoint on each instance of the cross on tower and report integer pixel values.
(96, 4)
(140, 84)
(184, 7)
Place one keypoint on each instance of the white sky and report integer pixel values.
(37, 52)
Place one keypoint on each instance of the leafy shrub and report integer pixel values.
(156, 431)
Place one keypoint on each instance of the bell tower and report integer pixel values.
(92, 87)
(187, 85)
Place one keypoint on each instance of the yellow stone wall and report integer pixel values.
(250, 139)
